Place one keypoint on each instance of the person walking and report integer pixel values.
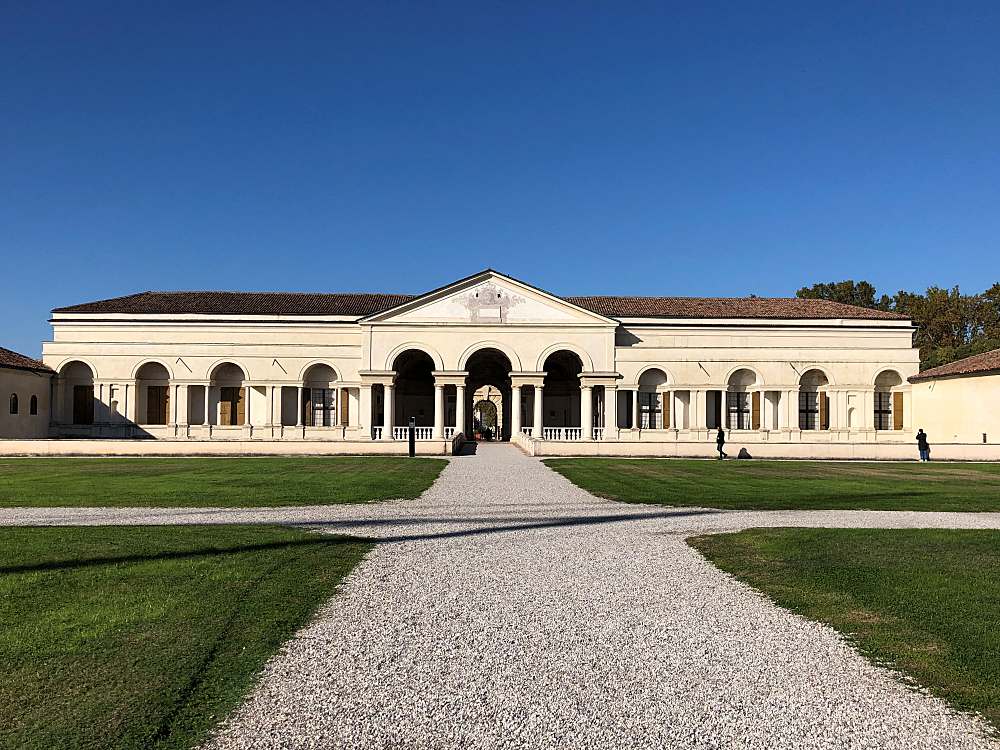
(923, 447)
(720, 440)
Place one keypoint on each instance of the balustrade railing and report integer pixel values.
(562, 433)
(421, 433)
(376, 433)
(449, 433)
(598, 433)
(526, 431)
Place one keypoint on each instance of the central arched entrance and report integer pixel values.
(488, 382)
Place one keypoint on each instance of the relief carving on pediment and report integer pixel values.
(488, 302)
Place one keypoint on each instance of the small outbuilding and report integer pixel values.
(25, 387)
(960, 402)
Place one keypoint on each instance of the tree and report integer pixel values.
(860, 293)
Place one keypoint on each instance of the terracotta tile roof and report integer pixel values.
(727, 307)
(14, 361)
(243, 303)
(974, 365)
(294, 303)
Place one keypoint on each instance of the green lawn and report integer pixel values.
(146, 637)
(226, 482)
(776, 485)
(925, 601)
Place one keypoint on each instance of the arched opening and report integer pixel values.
(814, 402)
(740, 410)
(33, 406)
(888, 401)
(414, 389)
(77, 384)
(652, 400)
(228, 397)
(13, 403)
(152, 383)
(561, 406)
(488, 382)
(485, 414)
(319, 396)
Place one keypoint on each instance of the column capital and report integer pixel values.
(377, 377)
(600, 378)
(449, 377)
(523, 378)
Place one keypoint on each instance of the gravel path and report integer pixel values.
(508, 608)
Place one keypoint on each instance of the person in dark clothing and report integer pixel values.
(720, 440)
(923, 446)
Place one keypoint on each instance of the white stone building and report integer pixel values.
(280, 372)
(959, 403)
(24, 386)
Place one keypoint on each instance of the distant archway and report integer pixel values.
(489, 379)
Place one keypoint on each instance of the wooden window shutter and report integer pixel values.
(666, 410)
(241, 405)
(824, 411)
(897, 410)
(225, 406)
(345, 400)
(307, 404)
(756, 410)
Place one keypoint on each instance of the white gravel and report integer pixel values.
(507, 608)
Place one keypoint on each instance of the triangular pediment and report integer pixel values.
(489, 298)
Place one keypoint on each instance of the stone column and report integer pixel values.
(515, 411)
(460, 408)
(365, 409)
(300, 401)
(183, 404)
(536, 427)
(172, 407)
(128, 396)
(695, 407)
(388, 408)
(208, 401)
(438, 411)
(269, 395)
(587, 412)
(792, 409)
(610, 411)
(635, 409)
(248, 389)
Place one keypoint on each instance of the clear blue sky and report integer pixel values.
(618, 148)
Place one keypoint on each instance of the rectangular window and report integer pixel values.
(157, 399)
(649, 410)
(323, 409)
(232, 406)
(739, 410)
(808, 411)
(83, 404)
(883, 410)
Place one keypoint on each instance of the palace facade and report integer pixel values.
(485, 354)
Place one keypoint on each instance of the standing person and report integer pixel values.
(720, 440)
(923, 446)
